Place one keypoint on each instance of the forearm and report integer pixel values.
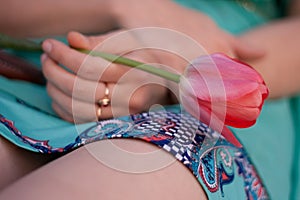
(33, 18)
(280, 66)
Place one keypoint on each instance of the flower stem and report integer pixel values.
(7, 42)
(135, 64)
(27, 45)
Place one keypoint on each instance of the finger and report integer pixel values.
(72, 86)
(246, 51)
(115, 42)
(86, 67)
(95, 70)
(63, 54)
(64, 101)
(105, 113)
(119, 43)
(143, 98)
(91, 92)
(62, 113)
(77, 40)
(70, 108)
(55, 74)
(76, 111)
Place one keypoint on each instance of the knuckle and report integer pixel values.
(61, 113)
(49, 89)
(86, 70)
(68, 87)
(138, 101)
(47, 69)
(66, 103)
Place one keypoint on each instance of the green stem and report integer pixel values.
(135, 64)
(8, 42)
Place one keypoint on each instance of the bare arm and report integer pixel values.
(33, 18)
(280, 66)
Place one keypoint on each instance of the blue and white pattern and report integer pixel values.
(216, 163)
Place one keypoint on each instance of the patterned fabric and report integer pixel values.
(271, 142)
(217, 164)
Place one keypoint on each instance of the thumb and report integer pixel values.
(77, 40)
(245, 50)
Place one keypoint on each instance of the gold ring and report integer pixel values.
(98, 113)
(105, 101)
(106, 93)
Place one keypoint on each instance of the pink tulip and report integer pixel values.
(222, 91)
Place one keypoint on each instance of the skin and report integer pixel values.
(143, 98)
(97, 181)
(172, 13)
(45, 18)
(12, 157)
(281, 73)
(258, 47)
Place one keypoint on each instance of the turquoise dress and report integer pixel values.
(273, 142)
(267, 166)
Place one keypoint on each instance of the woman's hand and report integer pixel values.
(77, 87)
(90, 86)
(198, 26)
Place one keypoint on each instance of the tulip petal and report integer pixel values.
(229, 136)
(225, 90)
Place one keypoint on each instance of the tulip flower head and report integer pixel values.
(220, 91)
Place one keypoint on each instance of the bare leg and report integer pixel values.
(79, 175)
(16, 162)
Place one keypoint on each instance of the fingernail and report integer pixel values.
(43, 57)
(47, 46)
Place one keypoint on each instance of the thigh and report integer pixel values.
(82, 175)
(16, 162)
